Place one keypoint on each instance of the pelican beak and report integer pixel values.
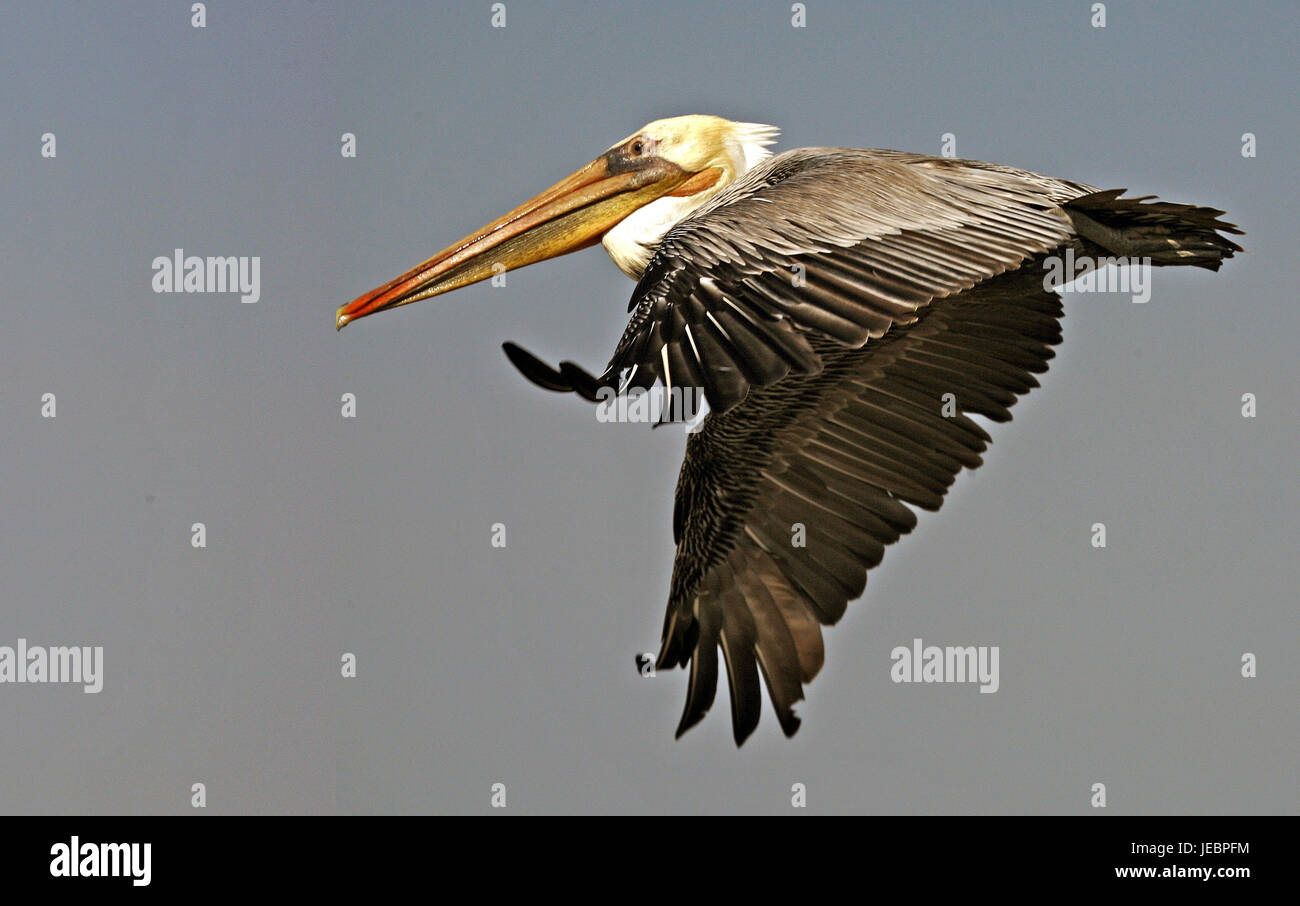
(571, 215)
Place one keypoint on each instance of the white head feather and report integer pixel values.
(694, 143)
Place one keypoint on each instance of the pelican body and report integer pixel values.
(829, 303)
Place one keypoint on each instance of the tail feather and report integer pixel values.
(1165, 232)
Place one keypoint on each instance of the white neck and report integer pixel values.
(633, 241)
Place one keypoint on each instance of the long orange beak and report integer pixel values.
(571, 215)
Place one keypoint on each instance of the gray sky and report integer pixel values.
(371, 535)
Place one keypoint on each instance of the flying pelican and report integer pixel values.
(826, 301)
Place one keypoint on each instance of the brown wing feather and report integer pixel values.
(842, 453)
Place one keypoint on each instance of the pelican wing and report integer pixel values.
(785, 502)
(825, 242)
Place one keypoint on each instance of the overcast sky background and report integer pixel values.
(371, 535)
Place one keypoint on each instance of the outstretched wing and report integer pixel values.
(836, 243)
(846, 454)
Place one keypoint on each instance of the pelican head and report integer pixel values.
(627, 198)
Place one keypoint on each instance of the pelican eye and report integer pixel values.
(641, 146)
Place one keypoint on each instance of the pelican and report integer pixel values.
(844, 312)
